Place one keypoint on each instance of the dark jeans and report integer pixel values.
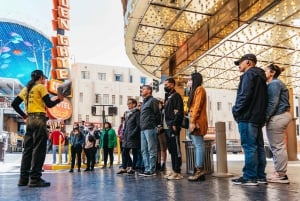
(76, 151)
(90, 157)
(253, 144)
(107, 151)
(35, 145)
(173, 141)
(127, 159)
(139, 162)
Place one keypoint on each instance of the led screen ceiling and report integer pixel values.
(22, 50)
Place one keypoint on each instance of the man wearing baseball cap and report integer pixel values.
(249, 113)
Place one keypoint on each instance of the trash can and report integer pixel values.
(1, 151)
(190, 157)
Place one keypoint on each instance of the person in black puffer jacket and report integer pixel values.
(131, 137)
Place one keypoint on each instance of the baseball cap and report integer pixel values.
(251, 57)
(36, 74)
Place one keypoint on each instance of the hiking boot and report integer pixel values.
(38, 183)
(199, 175)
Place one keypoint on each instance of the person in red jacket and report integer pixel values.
(56, 137)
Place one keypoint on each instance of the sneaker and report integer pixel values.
(168, 175)
(122, 171)
(276, 178)
(149, 174)
(130, 172)
(38, 183)
(262, 181)
(142, 173)
(175, 176)
(23, 182)
(71, 170)
(245, 182)
(88, 169)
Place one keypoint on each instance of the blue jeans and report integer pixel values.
(253, 144)
(199, 146)
(149, 149)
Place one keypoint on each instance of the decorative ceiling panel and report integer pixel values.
(148, 34)
(181, 36)
(158, 16)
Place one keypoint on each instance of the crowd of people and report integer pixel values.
(149, 128)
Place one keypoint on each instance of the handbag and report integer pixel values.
(185, 122)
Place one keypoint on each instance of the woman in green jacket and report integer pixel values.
(108, 143)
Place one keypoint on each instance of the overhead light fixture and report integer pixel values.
(296, 22)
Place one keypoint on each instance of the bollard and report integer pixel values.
(69, 153)
(59, 151)
(222, 170)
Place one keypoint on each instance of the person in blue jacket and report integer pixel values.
(249, 112)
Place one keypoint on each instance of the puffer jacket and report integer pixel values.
(131, 132)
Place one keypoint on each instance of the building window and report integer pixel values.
(230, 107)
(118, 78)
(143, 80)
(80, 97)
(219, 106)
(297, 129)
(87, 118)
(102, 76)
(98, 98)
(113, 99)
(130, 79)
(105, 99)
(120, 100)
(85, 75)
(297, 111)
(79, 117)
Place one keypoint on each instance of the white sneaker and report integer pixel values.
(276, 178)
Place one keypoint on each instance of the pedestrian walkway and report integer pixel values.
(106, 185)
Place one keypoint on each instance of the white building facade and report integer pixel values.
(103, 87)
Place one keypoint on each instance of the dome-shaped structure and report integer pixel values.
(22, 50)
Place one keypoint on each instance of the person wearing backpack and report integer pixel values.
(91, 143)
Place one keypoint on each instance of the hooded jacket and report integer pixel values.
(251, 100)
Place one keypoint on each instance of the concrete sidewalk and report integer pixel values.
(107, 185)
